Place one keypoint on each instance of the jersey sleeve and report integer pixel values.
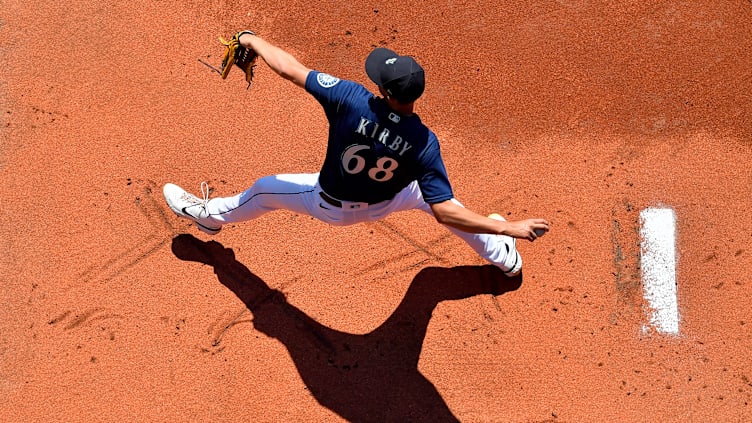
(434, 182)
(331, 91)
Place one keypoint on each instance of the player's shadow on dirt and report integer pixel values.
(363, 378)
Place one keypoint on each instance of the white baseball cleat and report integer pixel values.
(512, 265)
(191, 207)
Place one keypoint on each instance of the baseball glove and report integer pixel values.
(236, 54)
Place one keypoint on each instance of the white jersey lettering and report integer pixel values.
(405, 147)
(362, 127)
(384, 136)
(375, 128)
(398, 144)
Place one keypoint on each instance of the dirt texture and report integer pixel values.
(582, 112)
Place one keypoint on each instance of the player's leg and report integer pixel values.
(295, 192)
(500, 250)
(291, 192)
(497, 249)
(409, 198)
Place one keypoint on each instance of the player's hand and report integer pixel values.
(529, 229)
(239, 55)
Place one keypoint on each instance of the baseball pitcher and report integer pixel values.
(380, 159)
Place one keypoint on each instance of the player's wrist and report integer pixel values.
(501, 226)
(244, 37)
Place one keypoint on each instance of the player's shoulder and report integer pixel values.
(427, 142)
(324, 80)
(318, 81)
(423, 130)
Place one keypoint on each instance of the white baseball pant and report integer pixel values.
(300, 193)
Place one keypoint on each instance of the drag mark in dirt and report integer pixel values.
(162, 233)
(381, 264)
(624, 239)
(85, 318)
(222, 325)
(407, 239)
(425, 249)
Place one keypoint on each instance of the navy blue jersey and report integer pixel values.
(372, 152)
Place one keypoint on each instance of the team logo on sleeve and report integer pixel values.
(327, 81)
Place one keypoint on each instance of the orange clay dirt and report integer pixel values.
(582, 112)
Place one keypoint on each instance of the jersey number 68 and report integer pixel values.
(353, 163)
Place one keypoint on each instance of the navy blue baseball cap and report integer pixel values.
(400, 76)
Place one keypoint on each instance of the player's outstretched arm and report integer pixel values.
(452, 214)
(281, 62)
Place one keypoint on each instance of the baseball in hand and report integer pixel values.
(538, 232)
(495, 216)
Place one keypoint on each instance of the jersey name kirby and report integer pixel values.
(370, 129)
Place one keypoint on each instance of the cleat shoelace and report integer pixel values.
(197, 201)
